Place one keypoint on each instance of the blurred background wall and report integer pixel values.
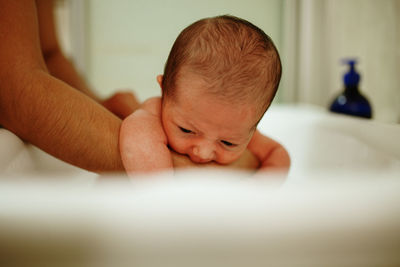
(124, 43)
(317, 34)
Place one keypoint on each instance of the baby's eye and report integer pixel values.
(228, 143)
(185, 130)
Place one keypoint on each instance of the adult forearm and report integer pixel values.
(60, 120)
(62, 68)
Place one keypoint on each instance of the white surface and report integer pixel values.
(340, 205)
(204, 219)
(317, 139)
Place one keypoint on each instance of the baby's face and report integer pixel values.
(204, 127)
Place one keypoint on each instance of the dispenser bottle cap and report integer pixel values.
(351, 78)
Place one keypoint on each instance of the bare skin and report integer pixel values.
(41, 108)
(45, 102)
(156, 132)
(247, 162)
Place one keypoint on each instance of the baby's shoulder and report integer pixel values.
(152, 105)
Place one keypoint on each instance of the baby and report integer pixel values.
(220, 77)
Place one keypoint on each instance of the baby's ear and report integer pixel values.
(159, 80)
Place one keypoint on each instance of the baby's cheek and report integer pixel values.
(173, 142)
(177, 145)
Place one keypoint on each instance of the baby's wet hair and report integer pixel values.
(237, 60)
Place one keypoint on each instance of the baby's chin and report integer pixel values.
(222, 160)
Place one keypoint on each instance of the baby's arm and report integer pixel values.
(271, 154)
(143, 143)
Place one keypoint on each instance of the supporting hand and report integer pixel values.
(122, 103)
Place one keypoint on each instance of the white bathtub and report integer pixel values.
(340, 205)
(316, 140)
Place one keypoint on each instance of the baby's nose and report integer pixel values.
(204, 152)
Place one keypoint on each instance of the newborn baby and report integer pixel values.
(220, 77)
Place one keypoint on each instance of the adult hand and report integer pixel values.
(122, 103)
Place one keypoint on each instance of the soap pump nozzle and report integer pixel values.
(351, 78)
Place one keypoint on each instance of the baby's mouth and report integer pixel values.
(193, 158)
(199, 160)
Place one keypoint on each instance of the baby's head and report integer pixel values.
(220, 77)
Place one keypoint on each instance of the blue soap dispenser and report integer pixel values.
(351, 101)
